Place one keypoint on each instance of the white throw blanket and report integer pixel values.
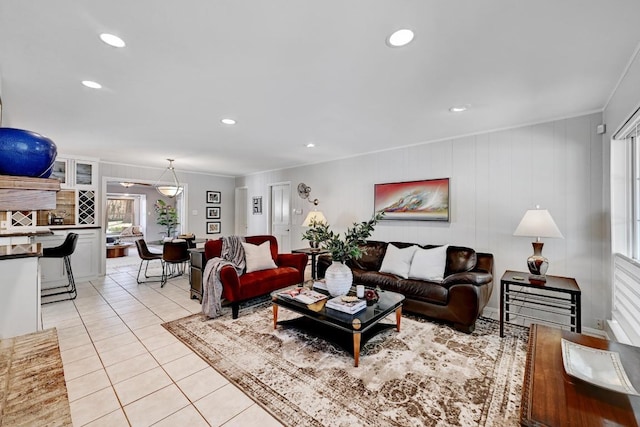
(232, 254)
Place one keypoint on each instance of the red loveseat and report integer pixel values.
(289, 271)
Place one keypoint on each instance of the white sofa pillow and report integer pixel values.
(258, 257)
(429, 264)
(397, 261)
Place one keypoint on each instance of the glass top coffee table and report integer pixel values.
(350, 331)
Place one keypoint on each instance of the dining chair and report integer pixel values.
(145, 256)
(175, 255)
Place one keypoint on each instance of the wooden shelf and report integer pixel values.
(21, 193)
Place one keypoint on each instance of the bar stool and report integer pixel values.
(64, 251)
(175, 255)
(146, 255)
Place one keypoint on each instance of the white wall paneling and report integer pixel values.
(495, 178)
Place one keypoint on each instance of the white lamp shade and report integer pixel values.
(314, 215)
(169, 190)
(538, 223)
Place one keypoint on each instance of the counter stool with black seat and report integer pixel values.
(175, 256)
(64, 251)
(145, 256)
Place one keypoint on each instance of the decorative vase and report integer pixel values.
(26, 153)
(338, 278)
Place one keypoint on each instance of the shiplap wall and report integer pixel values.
(495, 178)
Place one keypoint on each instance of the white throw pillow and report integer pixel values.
(429, 264)
(258, 257)
(397, 261)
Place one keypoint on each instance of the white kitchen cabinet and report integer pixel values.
(20, 290)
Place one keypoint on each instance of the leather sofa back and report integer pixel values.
(460, 259)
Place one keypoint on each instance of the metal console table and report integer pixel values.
(560, 296)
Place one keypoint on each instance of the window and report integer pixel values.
(122, 212)
(633, 142)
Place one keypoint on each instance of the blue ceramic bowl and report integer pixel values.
(26, 153)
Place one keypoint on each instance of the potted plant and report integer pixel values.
(167, 216)
(338, 276)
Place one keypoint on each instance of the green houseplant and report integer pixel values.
(338, 276)
(167, 216)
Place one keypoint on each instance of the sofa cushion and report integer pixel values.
(398, 261)
(420, 290)
(429, 264)
(258, 257)
(264, 281)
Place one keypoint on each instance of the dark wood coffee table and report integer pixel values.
(550, 397)
(117, 250)
(349, 331)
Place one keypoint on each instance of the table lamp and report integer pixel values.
(314, 217)
(537, 223)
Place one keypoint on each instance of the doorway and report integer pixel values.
(280, 215)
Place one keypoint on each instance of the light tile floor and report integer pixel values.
(123, 368)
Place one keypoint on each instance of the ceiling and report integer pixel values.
(298, 71)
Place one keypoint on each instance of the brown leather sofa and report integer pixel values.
(235, 289)
(459, 299)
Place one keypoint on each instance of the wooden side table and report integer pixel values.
(550, 397)
(313, 253)
(197, 263)
(561, 295)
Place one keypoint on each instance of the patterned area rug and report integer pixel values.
(426, 375)
(32, 387)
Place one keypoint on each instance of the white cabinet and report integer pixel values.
(85, 261)
(81, 176)
(20, 302)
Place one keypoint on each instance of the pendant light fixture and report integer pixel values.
(171, 190)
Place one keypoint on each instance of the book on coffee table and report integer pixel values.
(303, 295)
(346, 304)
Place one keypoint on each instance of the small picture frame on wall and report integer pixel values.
(213, 227)
(213, 212)
(213, 197)
(257, 205)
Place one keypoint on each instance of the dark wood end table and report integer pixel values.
(313, 252)
(558, 295)
(550, 397)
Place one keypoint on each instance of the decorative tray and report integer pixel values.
(598, 367)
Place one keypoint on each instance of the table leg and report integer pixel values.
(578, 298)
(313, 266)
(356, 349)
(398, 317)
(275, 316)
(501, 309)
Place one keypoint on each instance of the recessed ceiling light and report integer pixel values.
(92, 84)
(459, 108)
(310, 145)
(228, 121)
(112, 40)
(400, 38)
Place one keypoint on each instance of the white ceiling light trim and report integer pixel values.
(400, 38)
(112, 40)
(91, 84)
(459, 108)
(310, 145)
(228, 121)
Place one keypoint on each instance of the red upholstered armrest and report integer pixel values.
(297, 261)
(230, 283)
